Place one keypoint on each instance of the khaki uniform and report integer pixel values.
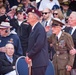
(62, 56)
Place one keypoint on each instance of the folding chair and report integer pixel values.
(22, 66)
(50, 69)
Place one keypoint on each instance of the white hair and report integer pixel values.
(74, 14)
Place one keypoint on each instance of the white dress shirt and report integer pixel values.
(48, 4)
(73, 30)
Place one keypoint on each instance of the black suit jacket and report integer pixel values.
(74, 40)
(22, 31)
(5, 65)
(37, 46)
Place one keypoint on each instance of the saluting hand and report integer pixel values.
(47, 28)
(2, 49)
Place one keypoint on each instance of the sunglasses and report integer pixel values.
(55, 13)
(45, 13)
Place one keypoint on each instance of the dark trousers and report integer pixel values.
(39, 70)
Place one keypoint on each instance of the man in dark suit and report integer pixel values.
(37, 50)
(7, 66)
(72, 31)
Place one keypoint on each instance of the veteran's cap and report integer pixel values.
(57, 22)
(5, 25)
(20, 8)
(33, 10)
(65, 2)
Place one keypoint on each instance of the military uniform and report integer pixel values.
(62, 57)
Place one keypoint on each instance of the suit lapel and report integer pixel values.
(74, 32)
(32, 31)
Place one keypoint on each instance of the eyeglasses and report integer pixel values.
(45, 13)
(55, 13)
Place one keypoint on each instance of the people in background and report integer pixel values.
(48, 4)
(3, 15)
(58, 14)
(6, 36)
(65, 8)
(27, 4)
(21, 27)
(72, 31)
(46, 20)
(8, 60)
(12, 12)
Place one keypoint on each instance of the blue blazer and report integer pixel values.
(37, 46)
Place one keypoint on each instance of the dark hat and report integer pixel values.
(57, 22)
(55, 7)
(65, 2)
(20, 8)
(33, 10)
(5, 25)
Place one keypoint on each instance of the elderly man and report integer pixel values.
(62, 60)
(8, 60)
(72, 31)
(37, 50)
(6, 36)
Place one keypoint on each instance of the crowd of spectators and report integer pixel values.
(15, 30)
